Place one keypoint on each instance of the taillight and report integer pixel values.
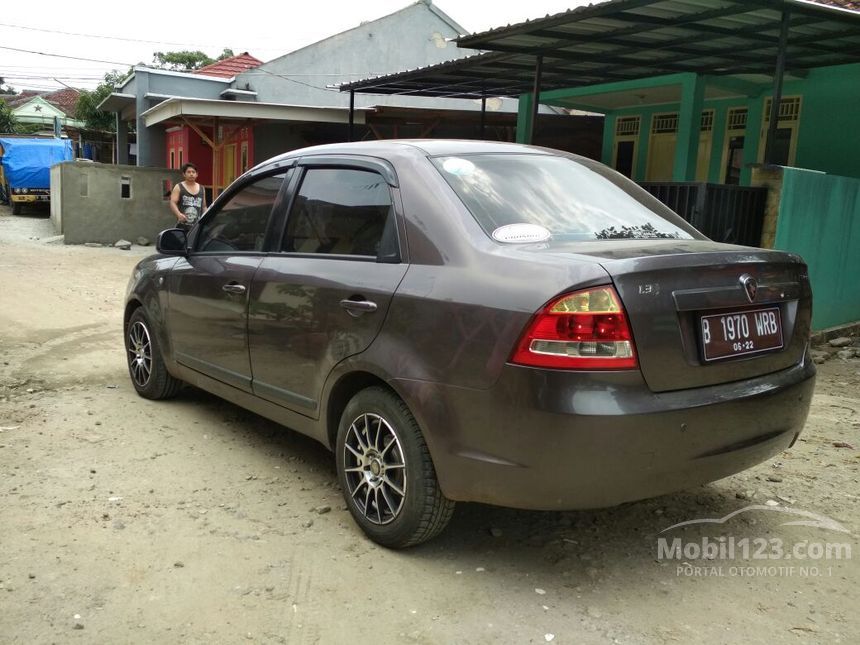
(584, 330)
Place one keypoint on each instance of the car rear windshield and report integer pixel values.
(571, 200)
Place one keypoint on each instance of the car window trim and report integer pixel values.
(344, 162)
(236, 187)
(354, 162)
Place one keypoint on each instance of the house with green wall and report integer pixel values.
(816, 124)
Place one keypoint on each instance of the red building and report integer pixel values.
(221, 153)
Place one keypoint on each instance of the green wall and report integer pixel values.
(819, 218)
(829, 136)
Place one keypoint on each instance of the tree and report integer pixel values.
(186, 61)
(8, 123)
(183, 61)
(86, 109)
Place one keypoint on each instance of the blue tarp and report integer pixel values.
(27, 162)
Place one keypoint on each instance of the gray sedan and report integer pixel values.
(469, 321)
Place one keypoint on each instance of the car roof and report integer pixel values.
(420, 147)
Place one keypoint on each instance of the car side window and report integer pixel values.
(240, 224)
(342, 211)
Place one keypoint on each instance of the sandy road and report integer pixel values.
(193, 521)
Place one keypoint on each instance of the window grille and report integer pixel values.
(789, 109)
(737, 119)
(665, 123)
(627, 126)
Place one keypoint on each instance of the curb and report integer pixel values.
(822, 336)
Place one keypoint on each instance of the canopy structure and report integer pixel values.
(632, 39)
(744, 42)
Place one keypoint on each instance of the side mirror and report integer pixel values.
(173, 241)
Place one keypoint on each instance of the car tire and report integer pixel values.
(386, 473)
(146, 366)
(17, 207)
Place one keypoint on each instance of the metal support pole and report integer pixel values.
(483, 113)
(536, 100)
(216, 157)
(777, 88)
(351, 114)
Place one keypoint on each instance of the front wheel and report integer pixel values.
(17, 207)
(146, 367)
(386, 472)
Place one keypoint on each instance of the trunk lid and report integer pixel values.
(668, 286)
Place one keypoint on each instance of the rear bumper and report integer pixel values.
(552, 440)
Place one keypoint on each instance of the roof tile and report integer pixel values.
(845, 4)
(229, 67)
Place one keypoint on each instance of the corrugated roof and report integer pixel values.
(230, 67)
(631, 39)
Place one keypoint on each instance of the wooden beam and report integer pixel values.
(426, 131)
(202, 134)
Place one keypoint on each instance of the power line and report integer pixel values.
(48, 74)
(90, 60)
(73, 33)
(184, 45)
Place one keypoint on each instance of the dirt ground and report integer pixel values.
(192, 521)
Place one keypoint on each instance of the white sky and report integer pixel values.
(121, 34)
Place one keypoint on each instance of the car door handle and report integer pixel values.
(357, 308)
(232, 287)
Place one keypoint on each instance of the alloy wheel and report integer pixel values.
(375, 468)
(140, 353)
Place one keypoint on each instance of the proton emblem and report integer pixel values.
(750, 286)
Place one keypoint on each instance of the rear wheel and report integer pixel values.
(386, 472)
(145, 364)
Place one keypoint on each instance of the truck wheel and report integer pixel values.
(16, 208)
(386, 473)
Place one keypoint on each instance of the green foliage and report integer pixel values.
(182, 61)
(86, 109)
(187, 61)
(8, 123)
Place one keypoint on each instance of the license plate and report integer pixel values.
(741, 332)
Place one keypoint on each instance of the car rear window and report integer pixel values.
(567, 199)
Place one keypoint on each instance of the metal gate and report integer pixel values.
(723, 212)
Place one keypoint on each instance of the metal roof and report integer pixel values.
(624, 40)
(175, 107)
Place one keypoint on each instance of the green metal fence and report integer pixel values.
(819, 218)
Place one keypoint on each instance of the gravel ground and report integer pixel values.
(192, 521)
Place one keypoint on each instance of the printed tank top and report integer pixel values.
(191, 205)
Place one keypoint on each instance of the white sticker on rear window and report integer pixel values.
(459, 167)
(521, 233)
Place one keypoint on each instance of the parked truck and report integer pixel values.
(25, 168)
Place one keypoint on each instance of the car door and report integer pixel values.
(324, 295)
(209, 289)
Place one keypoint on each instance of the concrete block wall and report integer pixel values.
(93, 202)
(769, 177)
